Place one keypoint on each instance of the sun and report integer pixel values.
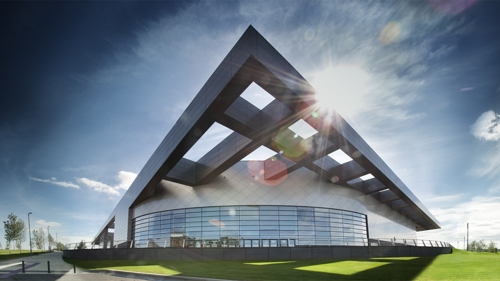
(341, 88)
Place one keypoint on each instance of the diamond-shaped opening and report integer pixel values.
(257, 96)
(213, 136)
(367, 177)
(302, 129)
(339, 156)
(260, 154)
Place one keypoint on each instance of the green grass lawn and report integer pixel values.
(457, 266)
(4, 254)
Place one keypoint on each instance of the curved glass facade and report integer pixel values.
(249, 226)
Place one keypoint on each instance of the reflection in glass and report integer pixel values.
(249, 226)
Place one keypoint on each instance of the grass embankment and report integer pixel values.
(457, 266)
(14, 254)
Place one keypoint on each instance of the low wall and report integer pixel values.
(291, 253)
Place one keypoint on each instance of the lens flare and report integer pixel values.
(390, 33)
(257, 171)
(452, 7)
(341, 88)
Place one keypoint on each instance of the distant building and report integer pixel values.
(299, 196)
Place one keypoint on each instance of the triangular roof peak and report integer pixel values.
(254, 60)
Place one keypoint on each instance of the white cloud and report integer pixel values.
(482, 213)
(54, 181)
(487, 126)
(98, 186)
(125, 180)
(43, 224)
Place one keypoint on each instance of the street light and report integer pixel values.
(48, 236)
(29, 231)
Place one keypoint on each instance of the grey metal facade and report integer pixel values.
(385, 199)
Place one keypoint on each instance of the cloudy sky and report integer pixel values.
(89, 89)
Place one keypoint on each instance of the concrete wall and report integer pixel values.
(291, 253)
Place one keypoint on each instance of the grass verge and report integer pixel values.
(4, 254)
(457, 266)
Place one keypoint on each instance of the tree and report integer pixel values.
(478, 246)
(15, 231)
(51, 240)
(59, 246)
(492, 247)
(81, 245)
(39, 238)
(21, 237)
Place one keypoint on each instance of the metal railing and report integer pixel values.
(407, 242)
(166, 243)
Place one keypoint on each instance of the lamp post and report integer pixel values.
(467, 236)
(29, 231)
(48, 236)
(56, 243)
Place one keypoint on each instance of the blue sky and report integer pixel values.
(89, 90)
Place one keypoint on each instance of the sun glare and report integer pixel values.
(341, 88)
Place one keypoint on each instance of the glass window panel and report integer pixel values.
(322, 219)
(322, 242)
(193, 219)
(300, 218)
(193, 228)
(210, 214)
(269, 218)
(179, 211)
(288, 233)
(249, 227)
(269, 227)
(268, 213)
(229, 218)
(230, 223)
(265, 243)
(249, 222)
(193, 215)
(226, 232)
(249, 232)
(268, 222)
(288, 227)
(322, 223)
(249, 213)
(306, 232)
(193, 210)
(249, 218)
(231, 227)
(255, 243)
(322, 228)
(305, 223)
(193, 224)
(248, 243)
(322, 234)
(288, 222)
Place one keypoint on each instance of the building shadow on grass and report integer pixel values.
(352, 269)
(403, 268)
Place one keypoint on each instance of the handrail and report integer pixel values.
(162, 243)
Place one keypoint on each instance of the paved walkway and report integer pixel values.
(36, 269)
